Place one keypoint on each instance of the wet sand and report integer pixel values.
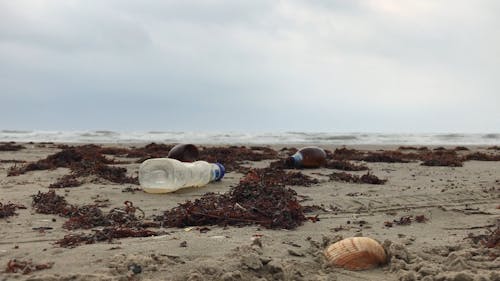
(456, 201)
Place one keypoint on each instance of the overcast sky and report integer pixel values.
(227, 65)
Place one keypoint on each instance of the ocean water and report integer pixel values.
(249, 138)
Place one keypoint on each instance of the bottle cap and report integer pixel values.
(220, 173)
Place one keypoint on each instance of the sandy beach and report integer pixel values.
(434, 222)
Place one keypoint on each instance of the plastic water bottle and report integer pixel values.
(162, 175)
(307, 157)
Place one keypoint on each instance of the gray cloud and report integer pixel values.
(256, 65)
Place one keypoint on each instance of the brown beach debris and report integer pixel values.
(233, 157)
(91, 216)
(51, 203)
(152, 150)
(356, 253)
(184, 152)
(388, 156)
(107, 234)
(495, 147)
(345, 165)
(15, 161)
(277, 177)
(366, 178)
(9, 209)
(118, 222)
(307, 157)
(488, 240)
(406, 220)
(25, 267)
(66, 181)
(255, 200)
(83, 161)
(11, 146)
(441, 158)
(407, 148)
(480, 156)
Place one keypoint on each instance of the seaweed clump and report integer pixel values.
(107, 234)
(366, 178)
(9, 209)
(255, 200)
(442, 157)
(118, 222)
(10, 146)
(480, 156)
(233, 156)
(388, 156)
(277, 177)
(25, 267)
(345, 165)
(51, 203)
(91, 216)
(489, 240)
(82, 161)
(152, 150)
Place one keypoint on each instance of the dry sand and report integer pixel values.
(456, 201)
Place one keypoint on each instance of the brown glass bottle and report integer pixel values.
(184, 152)
(307, 157)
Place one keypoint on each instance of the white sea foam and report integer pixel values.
(248, 138)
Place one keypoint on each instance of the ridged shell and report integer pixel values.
(356, 253)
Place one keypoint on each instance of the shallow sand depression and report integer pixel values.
(453, 204)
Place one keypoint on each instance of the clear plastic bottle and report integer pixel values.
(307, 157)
(162, 175)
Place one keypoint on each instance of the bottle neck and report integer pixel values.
(297, 159)
(218, 172)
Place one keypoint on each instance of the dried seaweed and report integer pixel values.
(442, 158)
(152, 150)
(9, 209)
(407, 148)
(370, 156)
(83, 161)
(480, 156)
(233, 156)
(118, 222)
(90, 216)
(66, 181)
(387, 157)
(51, 203)
(106, 234)
(366, 178)
(12, 161)
(488, 240)
(277, 177)
(406, 220)
(11, 146)
(345, 165)
(25, 267)
(255, 200)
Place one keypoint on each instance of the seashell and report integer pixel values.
(356, 253)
